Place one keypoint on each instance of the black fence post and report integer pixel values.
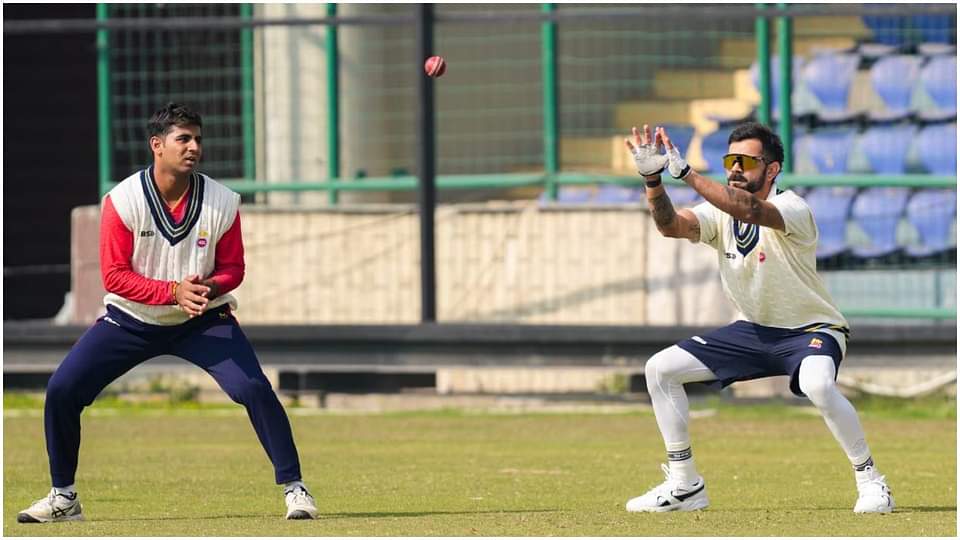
(426, 165)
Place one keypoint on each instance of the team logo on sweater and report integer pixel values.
(816, 343)
(202, 242)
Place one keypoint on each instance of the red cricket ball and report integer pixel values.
(435, 66)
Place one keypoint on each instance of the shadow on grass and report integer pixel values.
(439, 513)
(323, 516)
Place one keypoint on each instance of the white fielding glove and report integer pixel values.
(677, 165)
(649, 162)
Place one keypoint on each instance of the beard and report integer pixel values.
(753, 186)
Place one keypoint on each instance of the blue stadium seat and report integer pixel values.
(939, 80)
(831, 207)
(894, 78)
(877, 211)
(937, 144)
(829, 149)
(932, 212)
(829, 77)
(885, 147)
(936, 28)
(713, 147)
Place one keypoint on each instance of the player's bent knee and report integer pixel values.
(818, 387)
(251, 391)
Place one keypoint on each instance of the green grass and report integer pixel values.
(771, 470)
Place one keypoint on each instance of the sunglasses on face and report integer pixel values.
(746, 162)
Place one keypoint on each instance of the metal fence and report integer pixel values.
(537, 98)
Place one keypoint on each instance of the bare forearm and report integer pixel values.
(661, 208)
(740, 204)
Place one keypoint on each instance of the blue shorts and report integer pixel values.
(744, 351)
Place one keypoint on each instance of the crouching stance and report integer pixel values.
(766, 242)
(171, 250)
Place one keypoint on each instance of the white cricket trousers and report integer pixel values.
(668, 370)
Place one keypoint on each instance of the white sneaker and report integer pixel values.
(300, 505)
(53, 507)
(671, 495)
(875, 496)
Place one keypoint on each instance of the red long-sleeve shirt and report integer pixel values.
(116, 252)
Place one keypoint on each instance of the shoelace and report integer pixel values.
(878, 484)
(667, 484)
(300, 496)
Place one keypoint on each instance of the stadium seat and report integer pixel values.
(829, 77)
(885, 147)
(877, 211)
(937, 145)
(831, 207)
(713, 147)
(893, 79)
(939, 81)
(829, 149)
(932, 212)
(937, 49)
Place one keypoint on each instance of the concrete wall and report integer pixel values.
(499, 262)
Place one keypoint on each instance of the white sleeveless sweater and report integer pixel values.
(167, 251)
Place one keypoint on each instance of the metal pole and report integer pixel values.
(763, 62)
(785, 44)
(249, 122)
(333, 105)
(426, 164)
(105, 151)
(551, 151)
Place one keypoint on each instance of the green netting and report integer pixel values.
(199, 68)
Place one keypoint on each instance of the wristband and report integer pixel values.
(173, 290)
(652, 183)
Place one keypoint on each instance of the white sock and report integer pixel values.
(68, 490)
(682, 467)
(290, 486)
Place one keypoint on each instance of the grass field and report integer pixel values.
(770, 470)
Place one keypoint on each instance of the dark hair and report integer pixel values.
(772, 147)
(172, 114)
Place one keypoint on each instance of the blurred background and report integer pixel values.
(545, 255)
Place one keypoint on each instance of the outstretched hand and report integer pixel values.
(646, 152)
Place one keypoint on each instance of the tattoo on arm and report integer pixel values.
(662, 209)
(745, 203)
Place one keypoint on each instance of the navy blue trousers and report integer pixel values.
(117, 343)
